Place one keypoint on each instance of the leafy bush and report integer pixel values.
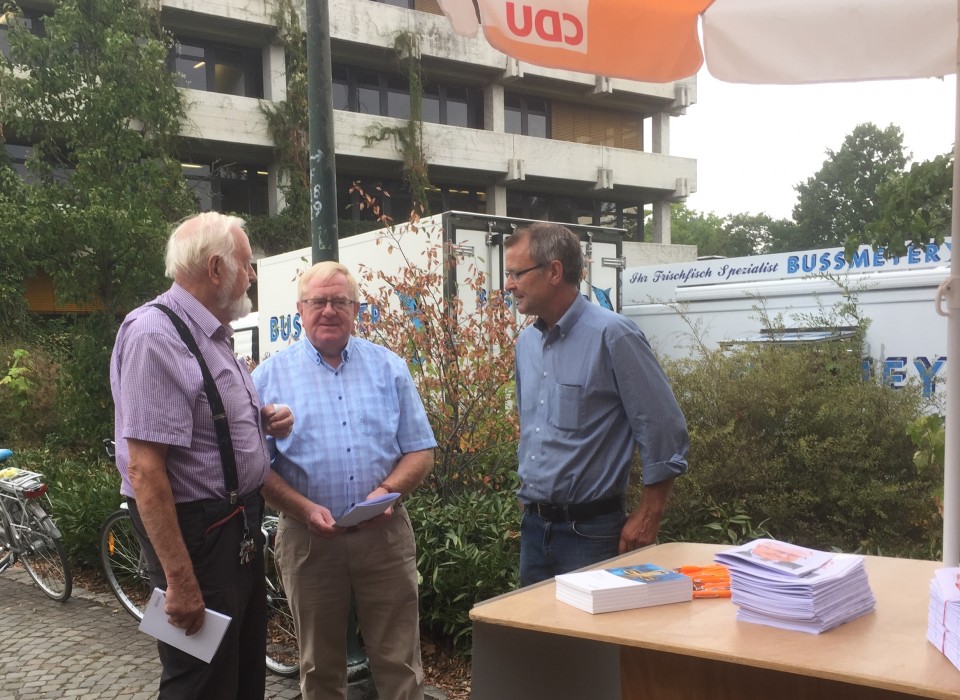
(28, 396)
(468, 550)
(84, 385)
(711, 522)
(807, 446)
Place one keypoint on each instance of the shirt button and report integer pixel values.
(538, 430)
(348, 449)
(533, 458)
(544, 374)
(541, 402)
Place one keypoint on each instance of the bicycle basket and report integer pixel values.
(21, 483)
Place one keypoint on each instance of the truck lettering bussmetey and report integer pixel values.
(475, 239)
(721, 298)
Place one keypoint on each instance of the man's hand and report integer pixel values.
(184, 605)
(643, 525)
(320, 523)
(277, 419)
(638, 531)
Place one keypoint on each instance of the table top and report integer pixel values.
(886, 648)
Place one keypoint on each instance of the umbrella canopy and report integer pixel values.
(745, 41)
(750, 41)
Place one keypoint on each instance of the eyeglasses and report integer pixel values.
(514, 276)
(339, 304)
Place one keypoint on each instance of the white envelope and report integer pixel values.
(203, 644)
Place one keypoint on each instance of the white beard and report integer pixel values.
(235, 308)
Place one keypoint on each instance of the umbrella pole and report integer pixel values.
(951, 466)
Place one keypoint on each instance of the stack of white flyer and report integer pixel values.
(943, 620)
(623, 588)
(782, 585)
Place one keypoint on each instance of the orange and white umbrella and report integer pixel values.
(750, 41)
(745, 41)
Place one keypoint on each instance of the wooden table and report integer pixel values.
(527, 645)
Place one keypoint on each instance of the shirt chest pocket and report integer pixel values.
(566, 402)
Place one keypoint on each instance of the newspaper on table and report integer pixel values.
(943, 619)
(782, 585)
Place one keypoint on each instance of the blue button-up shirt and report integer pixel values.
(590, 392)
(352, 423)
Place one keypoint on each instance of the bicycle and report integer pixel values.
(126, 570)
(28, 533)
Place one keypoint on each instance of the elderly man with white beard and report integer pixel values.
(192, 455)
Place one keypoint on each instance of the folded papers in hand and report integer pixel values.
(203, 644)
(366, 510)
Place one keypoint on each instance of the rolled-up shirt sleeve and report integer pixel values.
(658, 425)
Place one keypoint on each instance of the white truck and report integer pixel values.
(732, 300)
(477, 240)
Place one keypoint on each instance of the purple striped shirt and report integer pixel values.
(158, 397)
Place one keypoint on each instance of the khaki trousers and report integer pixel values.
(377, 567)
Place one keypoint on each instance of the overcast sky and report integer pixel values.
(753, 144)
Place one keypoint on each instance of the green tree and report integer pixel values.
(840, 201)
(914, 206)
(691, 227)
(94, 99)
(731, 236)
(754, 234)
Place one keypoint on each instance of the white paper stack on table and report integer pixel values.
(782, 585)
(623, 587)
(943, 620)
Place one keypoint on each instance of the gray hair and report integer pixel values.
(548, 242)
(195, 239)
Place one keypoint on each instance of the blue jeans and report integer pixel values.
(548, 548)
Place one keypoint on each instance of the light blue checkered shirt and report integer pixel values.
(352, 424)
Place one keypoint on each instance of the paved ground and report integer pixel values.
(86, 648)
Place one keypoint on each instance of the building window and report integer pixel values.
(17, 157)
(211, 67)
(572, 210)
(529, 116)
(31, 20)
(394, 200)
(388, 95)
(239, 188)
(18, 154)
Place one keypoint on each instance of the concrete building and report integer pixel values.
(501, 137)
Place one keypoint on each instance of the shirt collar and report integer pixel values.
(569, 318)
(198, 313)
(318, 358)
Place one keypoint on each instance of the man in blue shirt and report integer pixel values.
(590, 393)
(361, 433)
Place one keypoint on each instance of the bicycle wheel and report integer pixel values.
(123, 564)
(6, 553)
(283, 652)
(43, 555)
